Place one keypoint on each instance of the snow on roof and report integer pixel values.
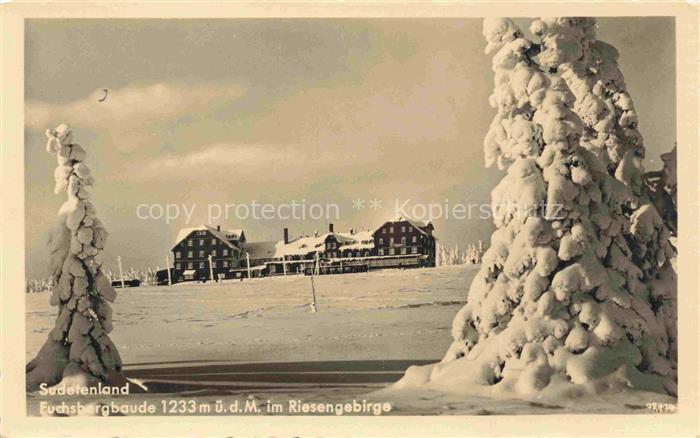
(302, 245)
(418, 225)
(414, 222)
(234, 234)
(357, 240)
(357, 236)
(261, 250)
(307, 244)
(222, 235)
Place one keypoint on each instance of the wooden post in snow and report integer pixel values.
(247, 261)
(121, 272)
(314, 307)
(167, 267)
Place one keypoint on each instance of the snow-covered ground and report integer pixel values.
(197, 340)
(378, 315)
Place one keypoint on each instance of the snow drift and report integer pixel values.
(576, 293)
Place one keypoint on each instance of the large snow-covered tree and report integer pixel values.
(576, 291)
(78, 348)
(664, 188)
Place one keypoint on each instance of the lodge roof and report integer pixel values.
(261, 250)
(224, 235)
(357, 240)
(418, 225)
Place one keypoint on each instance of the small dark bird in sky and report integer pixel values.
(105, 96)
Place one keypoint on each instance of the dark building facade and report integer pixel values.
(402, 237)
(194, 247)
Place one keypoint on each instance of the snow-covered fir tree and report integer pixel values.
(577, 291)
(445, 256)
(663, 185)
(78, 349)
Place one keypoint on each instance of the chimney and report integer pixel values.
(330, 228)
(352, 231)
(286, 235)
(218, 228)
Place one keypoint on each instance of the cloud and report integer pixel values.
(230, 158)
(225, 155)
(128, 114)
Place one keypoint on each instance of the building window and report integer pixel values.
(381, 251)
(213, 253)
(391, 241)
(177, 254)
(392, 251)
(201, 265)
(403, 229)
(391, 229)
(403, 240)
(178, 266)
(383, 230)
(414, 250)
(213, 264)
(189, 254)
(381, 241)
(189, 265)
(403, 250)
(201, 242)
(201, 253)
(225, 263)
(225, 252)
(189, 242)
(413, 239)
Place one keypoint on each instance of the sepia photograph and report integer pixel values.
(454, 216)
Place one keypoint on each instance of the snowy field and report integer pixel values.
(259, 339)
(379, 315)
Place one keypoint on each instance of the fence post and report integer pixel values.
(121, 272)
(247, 261)
(167, 267)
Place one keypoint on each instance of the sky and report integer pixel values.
(311, 111)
